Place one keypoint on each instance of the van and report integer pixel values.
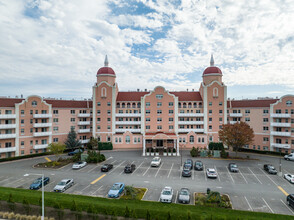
(289, 157)
(290, 200)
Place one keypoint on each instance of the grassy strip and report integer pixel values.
(25, 156)
(137, 208)
(139, 192)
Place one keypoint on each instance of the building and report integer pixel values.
(157, 119)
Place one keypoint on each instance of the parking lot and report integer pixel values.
(251, 189)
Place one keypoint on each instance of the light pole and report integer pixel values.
(36, 174)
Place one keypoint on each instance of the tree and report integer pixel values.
(56, 149)
(236, 135)
(93, 143)
(72, 142)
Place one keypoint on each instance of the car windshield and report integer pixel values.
(37, 181)
(234, 165)
(155, 159)
(105, 165)
(271, 167)
(79, 162)
(211, 171)
(199, 164)
(166, 192)
(61, 183)
(115, 187)
(184, 192)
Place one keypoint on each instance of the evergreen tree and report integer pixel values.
(72, 142)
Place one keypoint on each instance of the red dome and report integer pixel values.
(106, 70)
(211, 70)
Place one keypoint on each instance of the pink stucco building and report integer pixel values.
(144, 119)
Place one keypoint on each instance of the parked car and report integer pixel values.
(130, 168)
(289, 177)
(290, 200)
(233, 168)
(79, 165)
(189, 161)
(211, 173)
(75, 152)
(166, 195)
(187, 171)
(184, 196)
(37, 184)
(156, 161)
(198, 165)
(289, 157)
(270, 169)
(63, 185)
(116, 190)
(106, 167)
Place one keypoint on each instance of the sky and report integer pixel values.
(54, 48)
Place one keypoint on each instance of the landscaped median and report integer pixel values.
(131, 208)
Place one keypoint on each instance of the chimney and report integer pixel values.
(145, 90)
(21, 96)
(187, 90)
(138, 90)
(193, 90)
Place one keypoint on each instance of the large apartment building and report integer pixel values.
(144, 119)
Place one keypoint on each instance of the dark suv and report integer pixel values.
(270, 169)
(198, 165)
(290, 200)
(187, 170)
(189, 162)
(233, 167)
(130, 168)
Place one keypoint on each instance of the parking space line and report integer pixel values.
(99, 178)
(6, 179)
(50, 183)
(92, 169)
(15, 181)
(248, 203)
(217, 175)
(193, 174)
(204, 172)
(176, 196)
(159, 169)
(287, 206)
(243, 176)
(85, 188)
(170, 170)
(283, 191)
(116, 167)
(146, 171)
(268, 205)
(25, 182)
(268, 177)
(230, 175)
(97, 190)
(137, 168)
(254, 175)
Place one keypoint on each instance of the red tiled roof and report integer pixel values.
(212, 69)
(9, 102)
(130, 96)
(188, 96)
(160, 133)
(106, 70)
(251, 103)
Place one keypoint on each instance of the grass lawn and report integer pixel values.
(137, 208)
(139, 193)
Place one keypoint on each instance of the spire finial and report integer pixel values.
(211, 60)
(106, 61)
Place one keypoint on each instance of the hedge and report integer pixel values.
(105, 146)
(24, 156)
(215, 146)
(262, 152)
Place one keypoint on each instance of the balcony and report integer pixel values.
(128, 129)
(128, 115)
(84, 123)
(286, 146)
(40, 134)
(42, 115)
(191, 122)
(128, 122)
(233, 122)
(277, 124)
(40, 146)
(84, 130)
(7, 126)
(7, 116)
(280, 133)
(7, 149)
(84, 115)
(7, 136)
(279, 115)
(42, 125)
(85, 141)
(191, 114)
(187, 130)
(239, 115)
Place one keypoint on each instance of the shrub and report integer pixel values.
(223, 153)
(77, 157)
(90, 209)
(93, 157)
(130, 190)
(73, 206)
(127, 212)
(215, 146)
(105, 146)
(194, 152)
(102, 158)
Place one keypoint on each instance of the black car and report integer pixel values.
(190, 162)
(106, 167)
(130, 168)
(233, 168)
(187, 170)
(76, 151)
(37, 184)
(290, 200)
(270, 169)
(198, 165)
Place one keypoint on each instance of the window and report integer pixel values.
(170, 119)
(265, 148)
(22, 131)
(55, 128)
(22, 112)
(72, 119)
(215, 92)
(210, 119)
(265, 111)
(109, 139)
(31, 112)
(128, 139)
(170, 104)
(147, 119)
(191, 139)
(210, 103)
(289, 103)
(119, 140)
(135, 140)
(98, 104)
(72, 112)
(119, 111)
(170, 127)
(55, 140)
(108, 119)
(147, 111)
(184, 140)
(108, 104)
(159, 96)
(292, 111)
(265, 139)
(108, 127)
(147, 104)
(116, 140)
(22, 121)
(159, 127)
(170, 111)
(44, 111)
(98, 112)
(220, 103)
(247, 111)
(98, 127)
(220, 119)
(55, 112)
(265, 128)
(247, 119)
(159, 119)
(159, 111)
(210, 111)
(31, 130)
(278, 111)
(103, 92)
(265, 119)
(210, 127)
(21, 143)
(108, 112)
(34, 103)
(98, 119)
(55, 120)
(220, 111)
(148, 127)
(159, 104)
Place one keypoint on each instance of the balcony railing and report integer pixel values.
(84, 123)
(84, 130)
(7, 149)
(85, 141)
(278, 124)
(40, 134)
(7, 116)
(286, 146)
(187, 130)
(234, 122)
(7, 136)
(280, 133)
(128, 122)
(84, 115)
(128, 115)
(7, 126)
(42, 125)
(129, 129)
(191, 122)
(191, 114)
(40, 146)
(239, 115)
(42, 115)
(280, 115)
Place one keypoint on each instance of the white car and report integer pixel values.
(166, 195)
(289, 157)
(211, 173)
(79, 165)
(63, 185)
(156, 161)
(289, 177)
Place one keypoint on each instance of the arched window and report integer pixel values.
(103, 92)
(135, 140)
(128, 139)
(139, 105)
(184, 105)
(128, 105)
(180, 105)
(190, 105)
(134, 105)
(289, 103)
(215, 92)
(139, 140)
(118, 105)
(99, 138)
(195, 104)
(34, 103)
(199, 140)
(191, 139)
(123, 105)
(116, 140)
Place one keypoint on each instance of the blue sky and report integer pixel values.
(54, 48)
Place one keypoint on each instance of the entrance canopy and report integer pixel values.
(160, 135)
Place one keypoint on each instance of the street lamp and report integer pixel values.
(36, 174)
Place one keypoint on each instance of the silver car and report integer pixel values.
(63, 185)
(211, 173)
(166, 195)
(156, 161)
(184, 196)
